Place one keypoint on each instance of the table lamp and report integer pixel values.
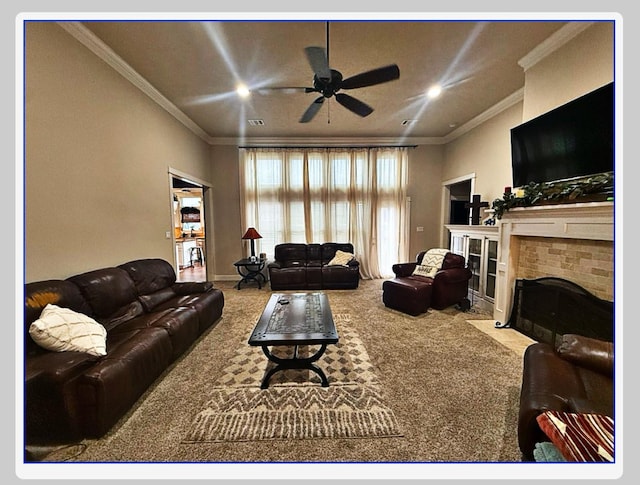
(252, 234)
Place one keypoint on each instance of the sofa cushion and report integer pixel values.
(123, 314)
(182, 325)
(330, 249)
(314, 252)
(579, 437)
(106, 290)
(191, 287)
(39, 294)
(152, 300)
(208, 305)
(150, 275)
(108, 389)
(62, 329)
(62, 293)
(291, 252)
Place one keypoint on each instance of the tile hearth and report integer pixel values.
(510, 338)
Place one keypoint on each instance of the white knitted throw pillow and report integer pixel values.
(62, 329)
(431, 262)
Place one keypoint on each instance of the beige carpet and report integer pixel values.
(452, 389)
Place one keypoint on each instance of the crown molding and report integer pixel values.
(326, 141)
(553, 42)
(485, 116)
(104, 52)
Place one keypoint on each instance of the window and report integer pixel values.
(321, 195)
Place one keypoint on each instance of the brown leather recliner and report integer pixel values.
(575, 377)
(415, 294)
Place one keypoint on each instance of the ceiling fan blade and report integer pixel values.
(370, 78)
(312, 110)
(317, 57)
(353, 104)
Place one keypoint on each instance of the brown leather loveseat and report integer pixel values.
(150, 320)
(575, 377)
(299, 266)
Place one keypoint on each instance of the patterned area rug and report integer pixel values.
(295, 406)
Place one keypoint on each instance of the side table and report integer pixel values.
(250, 271)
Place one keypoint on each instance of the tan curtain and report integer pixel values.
(317, 195)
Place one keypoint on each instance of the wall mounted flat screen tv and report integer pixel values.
(573, 140)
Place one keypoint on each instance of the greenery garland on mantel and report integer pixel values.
(596, 187)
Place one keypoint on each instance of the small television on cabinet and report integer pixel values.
(571, 141)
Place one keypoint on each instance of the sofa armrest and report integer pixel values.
(56, 368)
(452, 275)
(591, 353)
(403, 269)
(191, 287)
(547, 380)
(274, 265)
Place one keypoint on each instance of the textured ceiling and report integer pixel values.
(197, 64)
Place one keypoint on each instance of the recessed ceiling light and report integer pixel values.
(434, 91)
(408, 122)
(243, 90)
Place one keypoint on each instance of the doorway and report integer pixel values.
(456, 193)
(459, 196)
(190, 231)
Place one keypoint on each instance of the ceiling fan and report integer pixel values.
(328, 82)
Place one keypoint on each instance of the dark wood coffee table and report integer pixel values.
(295, 319)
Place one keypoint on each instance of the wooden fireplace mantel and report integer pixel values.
(591, 220)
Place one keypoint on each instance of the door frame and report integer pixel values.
(207, 201)
(445, 206)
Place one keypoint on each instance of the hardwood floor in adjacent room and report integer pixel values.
(196, 272)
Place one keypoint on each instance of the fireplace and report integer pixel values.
(546, 308)
(587, 229)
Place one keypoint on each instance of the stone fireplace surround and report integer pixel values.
(570, 241)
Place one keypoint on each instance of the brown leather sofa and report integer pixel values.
(299, 266)
(150, 321)
(415, 294)
(575, 377)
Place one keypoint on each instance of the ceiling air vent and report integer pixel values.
(256, 122)
(408, 122)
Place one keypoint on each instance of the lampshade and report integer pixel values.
(251, 234)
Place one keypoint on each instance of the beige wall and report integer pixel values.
(485, 151)
(226, 211)
(97, 157)
(426, 165)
